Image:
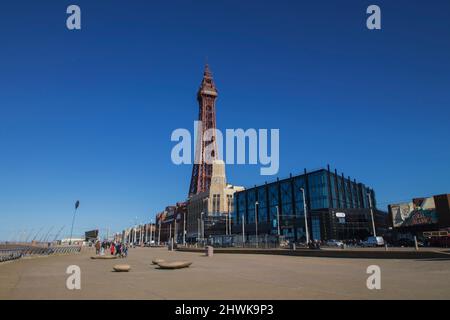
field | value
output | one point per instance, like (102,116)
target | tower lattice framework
(206,149)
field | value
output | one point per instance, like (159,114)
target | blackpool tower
(206,147)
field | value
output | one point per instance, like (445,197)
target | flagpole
(73,221)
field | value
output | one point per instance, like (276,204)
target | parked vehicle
(335,243)
(409,243)
(373,242)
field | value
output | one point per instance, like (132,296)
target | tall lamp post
(226,224)
(371,214)
(306,215)
(278,222)
(202,225)
(184,228)
(243,230)
(159,231)
(198,230)
(256,222)
(151,231)
(228,218)
(77,204)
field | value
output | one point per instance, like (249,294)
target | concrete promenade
(224,276)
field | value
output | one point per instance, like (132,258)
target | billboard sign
(418,212)
(91,235)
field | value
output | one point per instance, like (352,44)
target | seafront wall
(349,254)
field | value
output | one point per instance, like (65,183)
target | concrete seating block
(157,261)
(104,257)
(174,264)
(121,268)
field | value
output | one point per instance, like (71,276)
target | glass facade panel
(299,182)
(333,190)
(234,215)
(273,200)
(286,192)
(242,207)
(273,195)
(364,197)
(262,200)
(273,219)
(341,192)
(348,194)
(318,190)
(251,199)
(262,215)
(355,196)
(315,221)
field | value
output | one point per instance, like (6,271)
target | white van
(373,242)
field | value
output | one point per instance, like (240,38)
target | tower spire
(207,72)
(207,87)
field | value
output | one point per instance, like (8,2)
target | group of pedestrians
(118,249)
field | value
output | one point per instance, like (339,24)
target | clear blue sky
(88,114)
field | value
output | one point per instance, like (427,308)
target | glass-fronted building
(337,208)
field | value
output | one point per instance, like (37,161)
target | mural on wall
(420,211)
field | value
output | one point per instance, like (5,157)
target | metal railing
(24,251)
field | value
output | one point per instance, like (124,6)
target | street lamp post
(278,222)
(151,231)
(371,214)
(226,224)
(184,228)
(243,230)
(306,217)
(175,232)
(230,226)
(256,222)
(159,231)
(198,230)
(228,218)
(202,225)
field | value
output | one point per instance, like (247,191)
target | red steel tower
(206,149)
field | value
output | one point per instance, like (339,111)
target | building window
(229,203)
(251,199)
(315,221)
(242,207)
(318,190)
(299,183)
(216,203)
(262,207)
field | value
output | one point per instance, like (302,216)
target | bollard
(209,251)
(415,243)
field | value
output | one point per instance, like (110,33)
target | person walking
(118,249)
(112,248)
(97,247)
